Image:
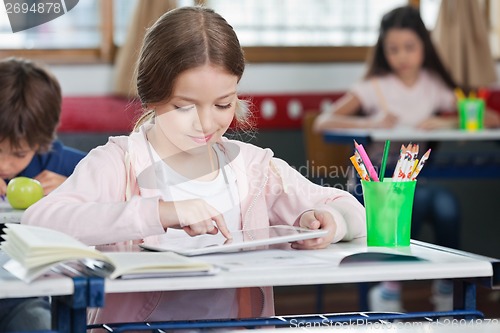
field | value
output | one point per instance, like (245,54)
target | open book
(35,251)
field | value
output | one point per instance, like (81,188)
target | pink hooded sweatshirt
(104,202)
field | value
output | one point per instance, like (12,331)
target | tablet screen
(242,239)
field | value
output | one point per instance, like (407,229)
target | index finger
(221,225)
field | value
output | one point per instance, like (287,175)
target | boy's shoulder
(59,158)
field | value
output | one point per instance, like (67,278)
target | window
(305,23)
(76,31)
(88,32)
(270,30)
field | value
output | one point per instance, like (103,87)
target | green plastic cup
(471,114)
(388,207)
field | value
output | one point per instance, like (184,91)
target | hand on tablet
(195,216)
(316,219)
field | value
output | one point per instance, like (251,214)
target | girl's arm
(344,115)
(491,118)
(291,198)
(341,115)
(439,122)
(90,205)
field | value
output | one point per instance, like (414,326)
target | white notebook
(243,239)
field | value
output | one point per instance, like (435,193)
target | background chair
(328,163)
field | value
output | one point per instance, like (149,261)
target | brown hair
(181,39)
(406,17)
(31,104)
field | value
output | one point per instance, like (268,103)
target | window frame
(105,53)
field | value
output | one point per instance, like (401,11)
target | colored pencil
(398,163)
(366,161)
(420,165)
(459,93)
(384,160)
(362,173)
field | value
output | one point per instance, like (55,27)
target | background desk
(408,135)
(461,154)
(466,163)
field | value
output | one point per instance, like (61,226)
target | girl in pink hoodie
(176,175)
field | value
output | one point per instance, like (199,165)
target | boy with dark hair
(31,107)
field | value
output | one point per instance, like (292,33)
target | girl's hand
(437,122)
(3,187)
(316,219)
(50,180)
(491,119)
(382,121)
(195,216)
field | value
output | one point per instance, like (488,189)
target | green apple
(22,192)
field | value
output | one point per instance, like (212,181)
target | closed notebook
(35,251)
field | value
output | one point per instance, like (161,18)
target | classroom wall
(258,78)
(479,235)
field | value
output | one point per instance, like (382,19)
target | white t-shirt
(222,194)
(412,105)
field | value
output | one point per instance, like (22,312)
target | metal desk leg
(95,295)
(69,313)
(464,295)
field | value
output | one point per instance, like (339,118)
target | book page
(266,260)
(127,263)
(36,246)
(36,251)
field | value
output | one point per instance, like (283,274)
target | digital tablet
(243,239)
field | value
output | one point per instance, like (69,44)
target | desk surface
(9,214)
(400,134)
(439,263)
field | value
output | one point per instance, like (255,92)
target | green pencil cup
(471,114)
(388,208)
